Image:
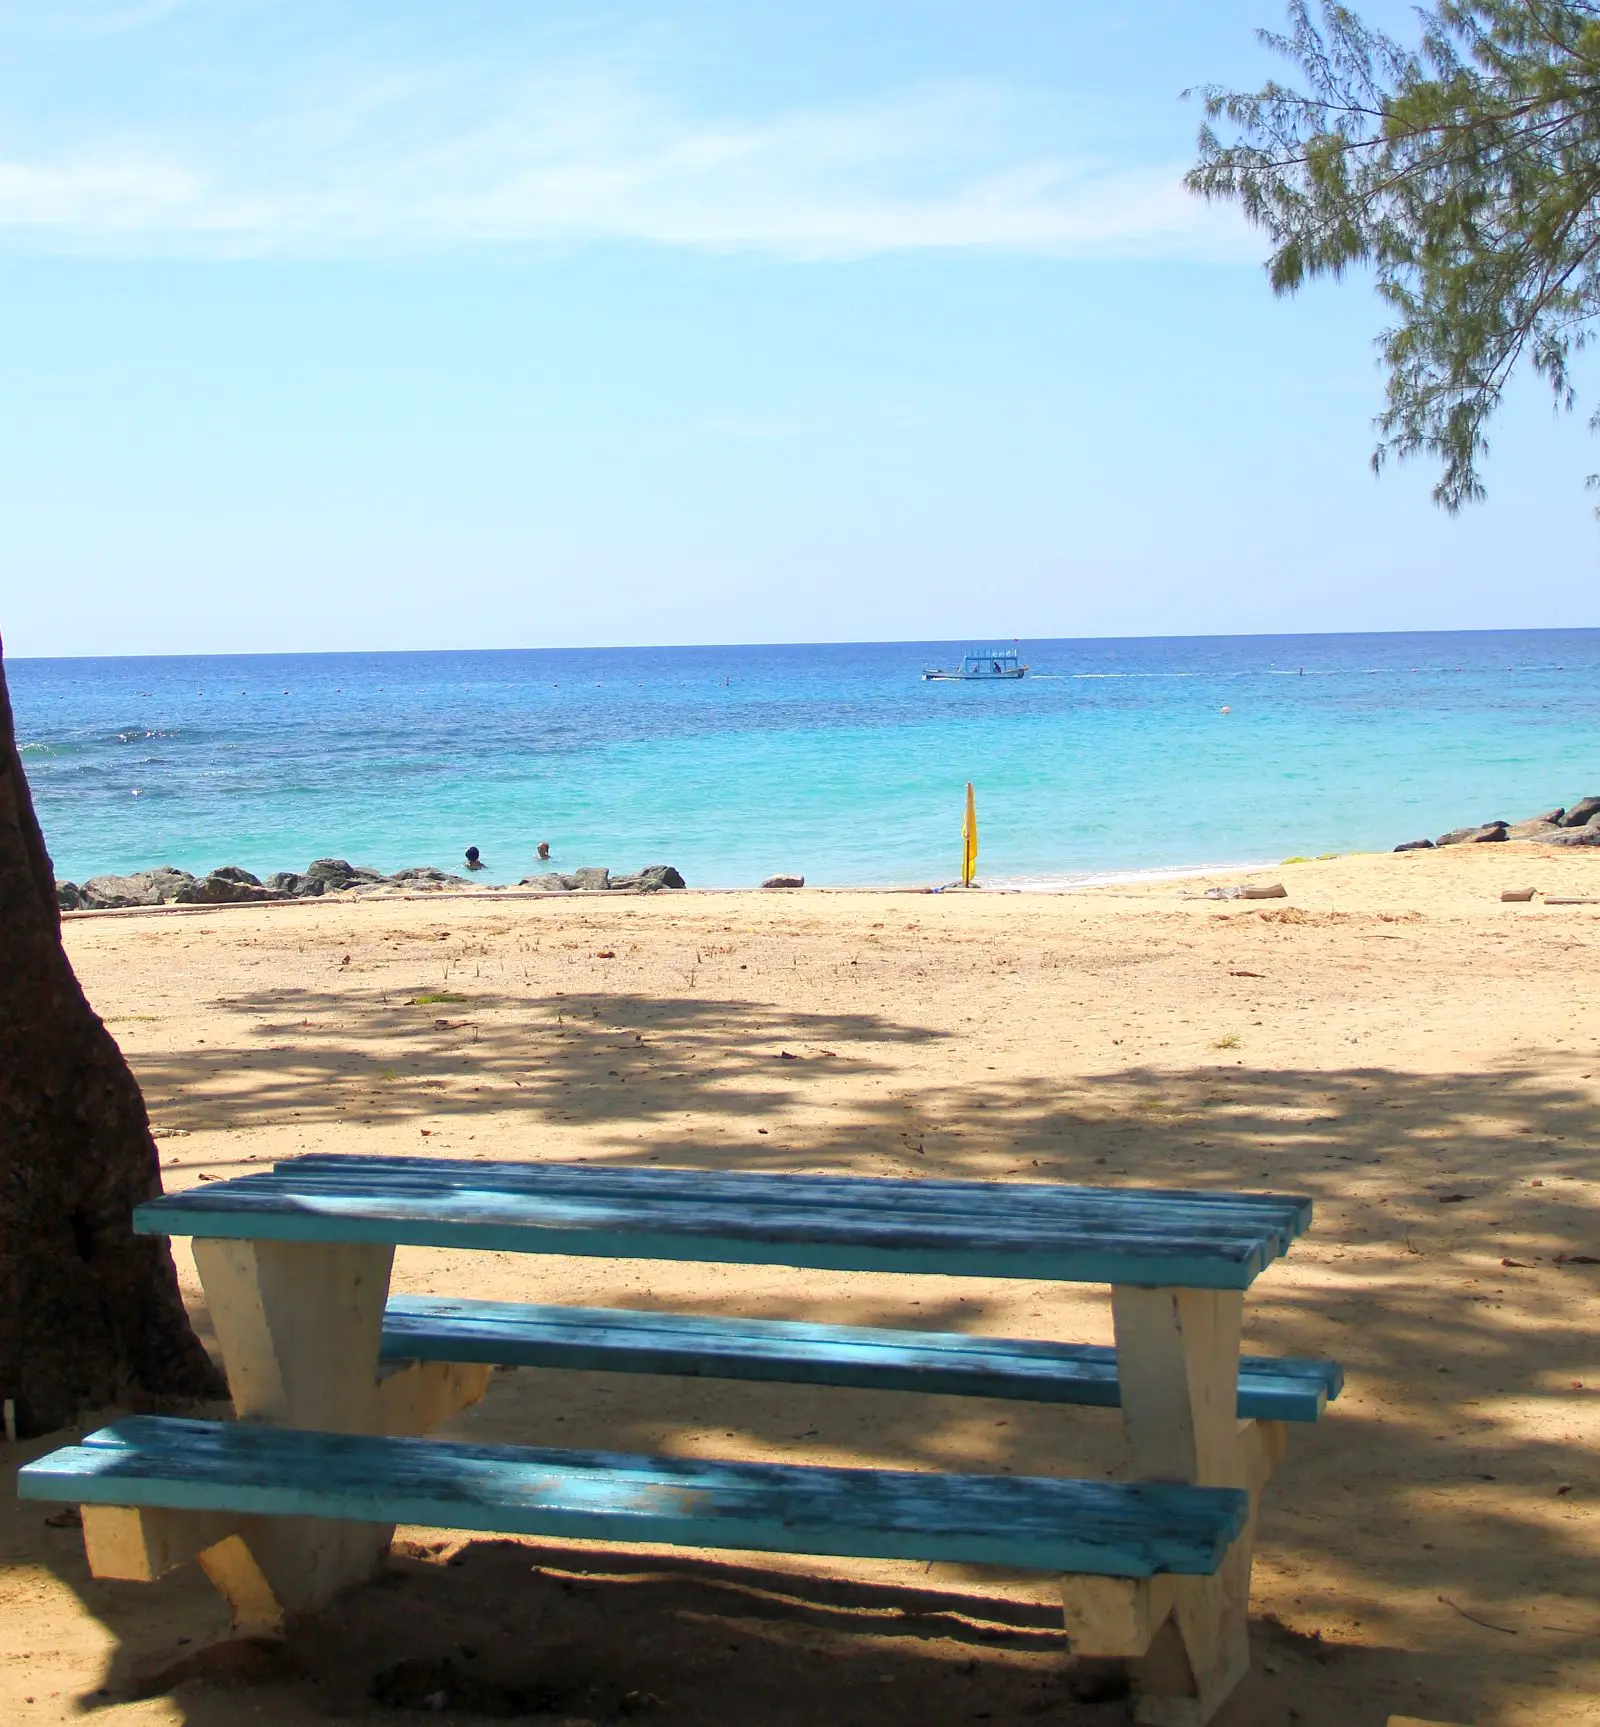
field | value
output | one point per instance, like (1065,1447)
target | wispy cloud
(417,163)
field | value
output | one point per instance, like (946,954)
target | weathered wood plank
(1124,1529)
(617,1340)
(746,1187)
(961,1229)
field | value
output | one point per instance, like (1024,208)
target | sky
(509,324)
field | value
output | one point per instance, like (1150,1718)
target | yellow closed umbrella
(969,840)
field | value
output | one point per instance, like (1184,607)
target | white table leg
(299,1324)
(1178,1364)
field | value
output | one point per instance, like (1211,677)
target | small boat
(982,665)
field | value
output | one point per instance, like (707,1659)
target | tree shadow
(1438,1501)
(585,1058)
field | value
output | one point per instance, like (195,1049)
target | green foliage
(1464,173)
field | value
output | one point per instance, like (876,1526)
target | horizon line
(832,642)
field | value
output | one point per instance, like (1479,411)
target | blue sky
(507,324)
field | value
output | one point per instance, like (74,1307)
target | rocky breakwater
(651,879)
(231,885)
(1577,826)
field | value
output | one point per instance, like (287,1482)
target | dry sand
(1392,1040)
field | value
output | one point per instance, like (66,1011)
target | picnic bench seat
(622,1340)
(1096,1528)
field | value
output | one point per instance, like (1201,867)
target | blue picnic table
(336,1384)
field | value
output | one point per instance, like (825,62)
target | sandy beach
(1391,1039)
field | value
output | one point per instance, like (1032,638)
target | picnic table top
(1126,1235)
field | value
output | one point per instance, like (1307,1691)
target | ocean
(836,762)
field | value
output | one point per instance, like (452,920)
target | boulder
(1489,832)
(1584,836)
(220,889)
(1550,817)
(294,886)
(232,872)
(784,881)
(550,882)
(336,875)
(144,887)
(426,876)
(1536,829)
(69,896)
(655,876)
(1581,813)
(591,880)
(1415,846)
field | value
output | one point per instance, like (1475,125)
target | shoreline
(1137,885)
(1577,826)
(472,892)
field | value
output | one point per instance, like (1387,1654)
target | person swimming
(474,861)
(544,851)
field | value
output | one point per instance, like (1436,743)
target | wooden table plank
(972,1229)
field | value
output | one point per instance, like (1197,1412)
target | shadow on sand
(1441,1271)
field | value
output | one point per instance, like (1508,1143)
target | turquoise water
(836,762)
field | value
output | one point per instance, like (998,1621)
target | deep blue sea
(836,762)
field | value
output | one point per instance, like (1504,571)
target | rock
(1274,890)
(69,896)
(550,882)
(1540,827)
(220,889)
(1550,817)
(592,880)
(1484,835)
(1581,813)
(784,881)
(1517,895)
(1584,836)
(337,876)
(144,887)
(426,876)
(295,886)
(1415,846)
(655,876)
(232,872)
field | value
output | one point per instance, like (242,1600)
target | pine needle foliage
(1464,173)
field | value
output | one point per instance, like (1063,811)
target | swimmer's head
(472,854)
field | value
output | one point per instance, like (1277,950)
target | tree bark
(89,1312)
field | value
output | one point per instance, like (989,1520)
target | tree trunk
(89,1312)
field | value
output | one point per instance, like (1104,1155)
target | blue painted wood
(1114,1529)
(618,1340)
(964,1229)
